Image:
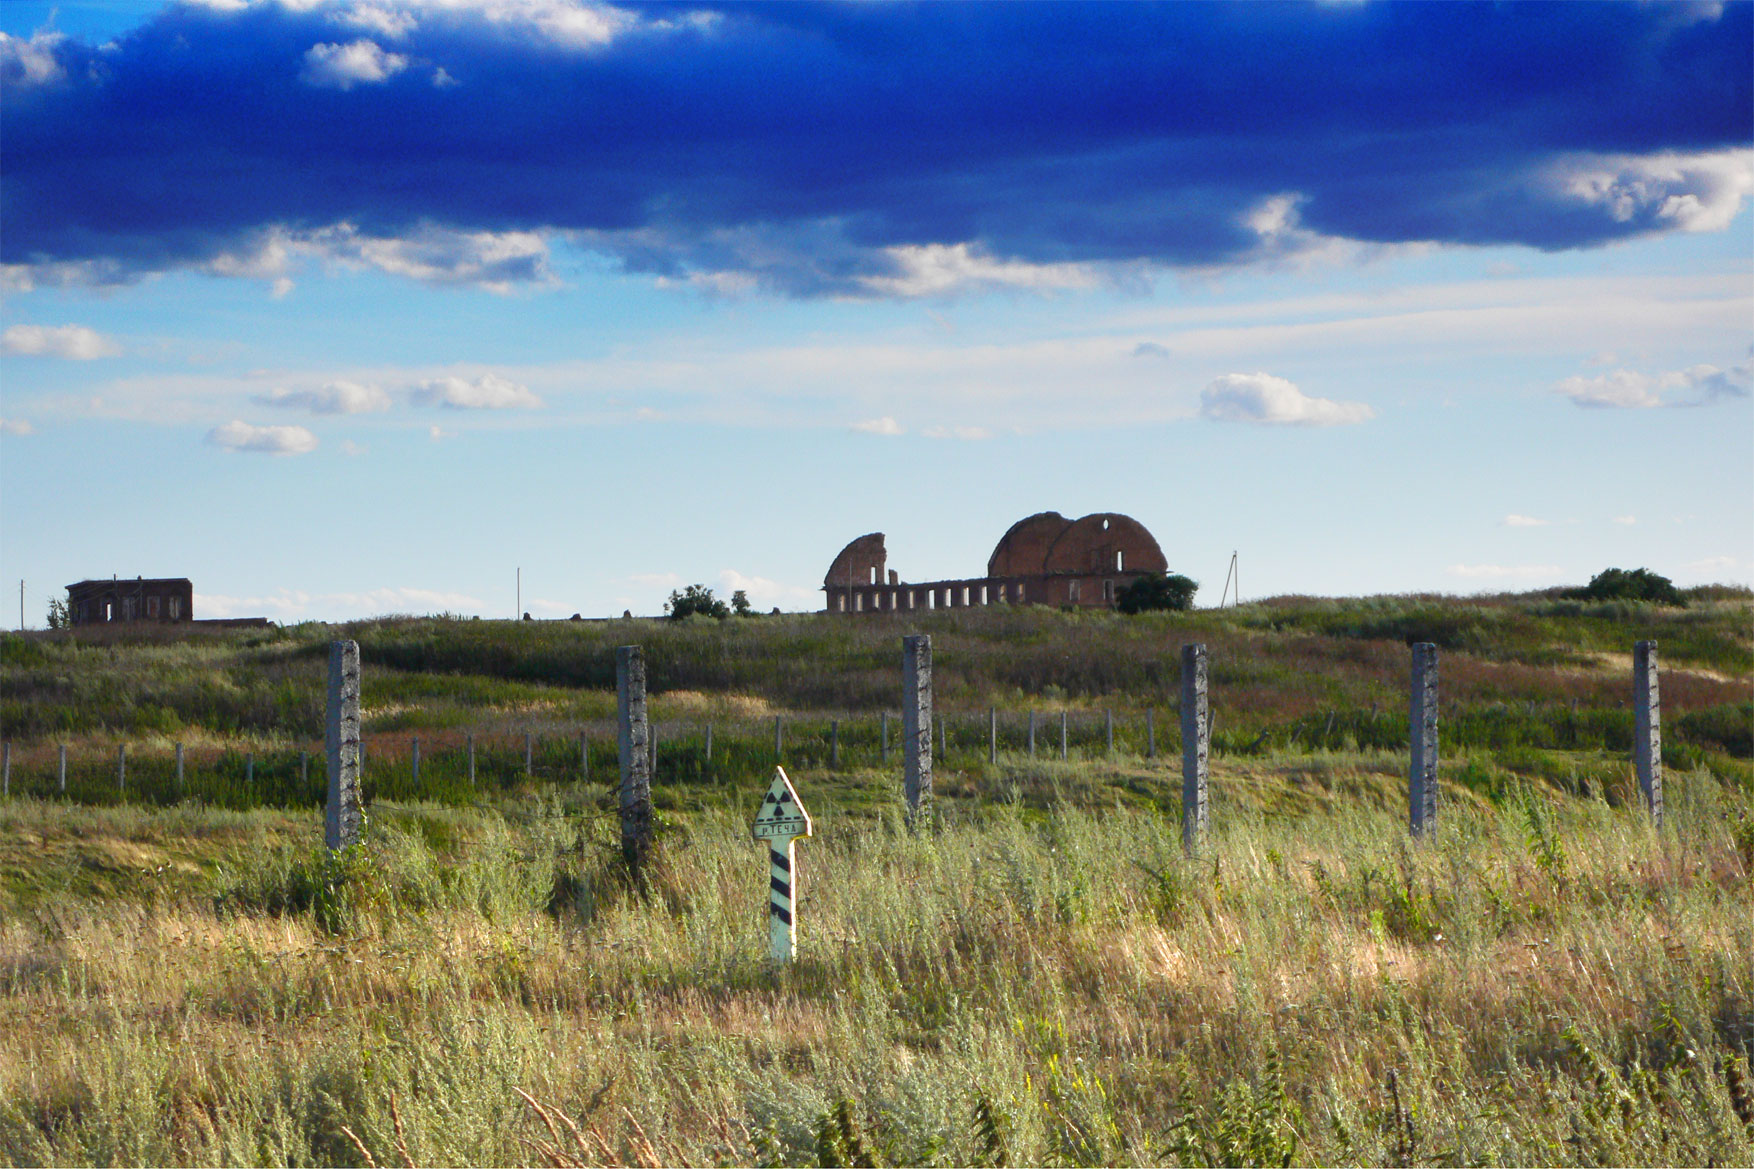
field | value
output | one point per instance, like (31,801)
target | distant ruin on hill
(1046,559)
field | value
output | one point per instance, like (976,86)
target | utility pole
(21,606)
(519,615)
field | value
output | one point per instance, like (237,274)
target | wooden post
(885,751)
(1647,729)
(1062,734)
(1109,718)
(1422,727)
(631,740)
(179,769)
(122,769)
(709,742)
(1150,733)
(342,816)
(1195,747)
(916,720)
(1032,734)
(529,754)
(304,770)
(943,740)
(992,734)
(471,758)
(414,762)
(834,742)
(61,766)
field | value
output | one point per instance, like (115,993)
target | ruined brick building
(99,602)
(1046,559)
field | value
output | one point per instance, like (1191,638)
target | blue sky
(352,308)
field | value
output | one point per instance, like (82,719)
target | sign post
(782,820)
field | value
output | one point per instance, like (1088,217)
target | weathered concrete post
(1062,734)
(1196,747)
(342,818)
(1109,718)
(1150,733)
(916,720)
(471,758)
(61,766)
(779,739)
(414,762)
(1032,734)
(1647,728)
(1422,735)
(631,732)
(992,734)
(834,742)
(122,768)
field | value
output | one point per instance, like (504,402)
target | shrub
(1640,584)
(1149,593)
(694,599)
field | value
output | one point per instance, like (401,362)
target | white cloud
(494,261)
(1263,398)
(766,594)
(1499,571)
(568,23)
(333,398)
(390,23)
(1689,192)
(1697,385)
(74,342)
(944,269)
(439,433)
(1626,520)
(885,426)
(487,392)
(332,66)
(30,62)
(969,433)
(17,427)
(1523,521)
(351,448)
(272,440)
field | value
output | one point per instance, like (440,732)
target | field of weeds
(1037,976)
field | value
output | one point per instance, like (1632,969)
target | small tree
(696,598)
(1157,592)
(740,604)
(1640,584)
(59,617)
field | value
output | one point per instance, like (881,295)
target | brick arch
(1088,546)
(853,567)
(1023,549)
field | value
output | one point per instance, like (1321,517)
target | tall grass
(1549,981)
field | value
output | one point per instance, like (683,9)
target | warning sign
(782,814)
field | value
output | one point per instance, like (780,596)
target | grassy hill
(1040,978)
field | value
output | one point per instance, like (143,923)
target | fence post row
(916,720)
(1422,741)
(1647,728)
(631,731)
(1196,747)
(341,815)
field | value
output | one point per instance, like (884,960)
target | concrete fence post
(1647,729)
(631,733)
(992,734)
(1150,733)
(1422,736)
(342,817)
(1196,747)
(916,720)
(61,766)
(122,769)
(1063,735)
(471,742)
(1032,734)
(414,761)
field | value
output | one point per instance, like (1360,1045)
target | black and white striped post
(781,821)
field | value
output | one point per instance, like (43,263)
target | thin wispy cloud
(487,392)
(334,398)
(884,426)
(17,427)
(1699,385)
(1524,521)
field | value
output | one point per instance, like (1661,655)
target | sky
(364,307)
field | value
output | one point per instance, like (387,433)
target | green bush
(1640,584)
(694,599)
(1158,592)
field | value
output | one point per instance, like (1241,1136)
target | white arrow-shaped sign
(782,812)
(780,822)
